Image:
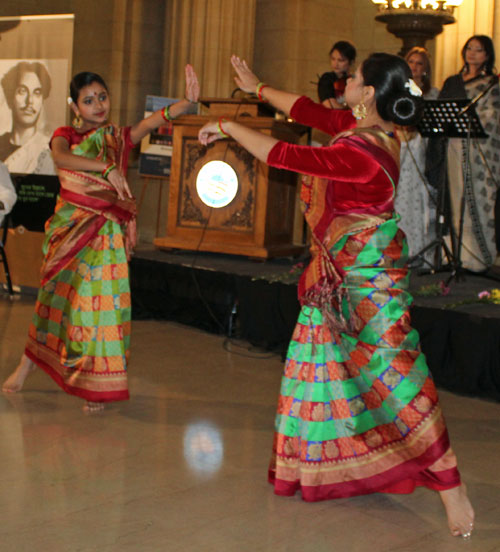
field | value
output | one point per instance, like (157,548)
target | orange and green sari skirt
(80,332)
(358,411)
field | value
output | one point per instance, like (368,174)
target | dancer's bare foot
(91,407)
(15,381)
(459,511)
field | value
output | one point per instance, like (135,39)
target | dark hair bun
(390,77)
(404,109)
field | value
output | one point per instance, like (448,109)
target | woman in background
(416,200)
(80,332)
(331,85)
(447,162)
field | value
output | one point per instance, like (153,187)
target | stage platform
(256,301)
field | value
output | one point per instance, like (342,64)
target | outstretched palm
(245,79)
(192,85)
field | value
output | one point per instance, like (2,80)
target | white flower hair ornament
(69,100)
(413,88)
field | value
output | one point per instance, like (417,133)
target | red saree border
(400,479)
(105,396)
(448,479)
(96,204)
(87,177)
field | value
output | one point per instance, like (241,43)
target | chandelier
(415,21)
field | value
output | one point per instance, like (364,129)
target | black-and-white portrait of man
(26,87)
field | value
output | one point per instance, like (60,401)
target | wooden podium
(259,221)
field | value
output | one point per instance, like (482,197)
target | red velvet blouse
(358,182)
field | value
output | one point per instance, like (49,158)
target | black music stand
(450,118)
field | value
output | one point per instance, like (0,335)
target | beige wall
(125,44)
(141,47)
(300,33)
(370,35)
(293,38)
(473,17)
(206,33)
(113,42)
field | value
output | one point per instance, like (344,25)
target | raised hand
(192,84)
(245,79)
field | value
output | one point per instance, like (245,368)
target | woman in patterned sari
(447,159)
(80,332)
(415,200)
(358,412)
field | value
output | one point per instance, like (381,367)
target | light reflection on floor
(183,464)
(203,447)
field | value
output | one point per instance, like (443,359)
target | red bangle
(219,127)
(107,169)
(259,89)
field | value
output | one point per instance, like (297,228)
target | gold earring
(359,111)
(77,121)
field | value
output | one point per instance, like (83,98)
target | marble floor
(182,465)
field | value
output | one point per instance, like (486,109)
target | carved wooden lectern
(242,206)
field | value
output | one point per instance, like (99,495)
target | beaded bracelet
(259,89)
(165,113)
(219,127)
(107,169)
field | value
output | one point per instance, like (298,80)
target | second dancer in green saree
(80,333)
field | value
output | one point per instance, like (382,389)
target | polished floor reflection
(182,465)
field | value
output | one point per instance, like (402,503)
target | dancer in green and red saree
(358,412)
(80,333)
